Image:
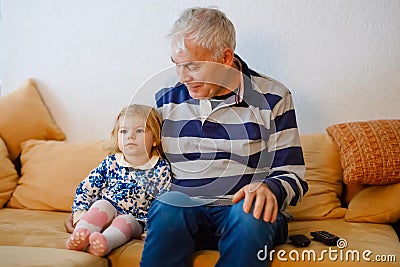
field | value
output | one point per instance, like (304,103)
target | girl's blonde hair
(153,123)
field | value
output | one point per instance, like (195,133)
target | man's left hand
(263,198)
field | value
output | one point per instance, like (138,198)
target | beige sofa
(36,203)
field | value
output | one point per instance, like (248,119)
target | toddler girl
(119,191)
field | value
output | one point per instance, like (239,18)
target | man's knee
(170,205)
(161,207)
(171,208)
(237,212)
(246,221)
(175,199)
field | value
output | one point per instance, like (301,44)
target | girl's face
(134,139)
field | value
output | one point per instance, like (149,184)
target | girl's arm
(165,179)
(90,189)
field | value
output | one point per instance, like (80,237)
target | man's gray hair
(208,27)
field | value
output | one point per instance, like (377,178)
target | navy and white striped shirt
(249,136)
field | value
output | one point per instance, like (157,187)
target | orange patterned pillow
(369,151)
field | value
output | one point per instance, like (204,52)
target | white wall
(341,59)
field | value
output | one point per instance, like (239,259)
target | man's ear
(229,57)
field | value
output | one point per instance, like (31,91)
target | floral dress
(130,189)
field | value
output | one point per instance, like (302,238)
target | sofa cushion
(37,257)
(25,108)
(51,171)
(379,239)
(324,176)
(32,228)
(376,204)
(37,238)
(351,190)
(8,175)
(369,151)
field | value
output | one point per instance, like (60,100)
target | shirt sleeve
(164,178)
(90,189)
(287,176)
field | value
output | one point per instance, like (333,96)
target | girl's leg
(99,215)
(122,228)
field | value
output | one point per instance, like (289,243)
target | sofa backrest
(324,177)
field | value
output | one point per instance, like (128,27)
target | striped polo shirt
(217,148)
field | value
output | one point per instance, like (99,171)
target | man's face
(199,71)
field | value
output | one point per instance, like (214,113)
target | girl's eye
(140,130)
(123,131)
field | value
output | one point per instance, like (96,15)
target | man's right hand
(261,197)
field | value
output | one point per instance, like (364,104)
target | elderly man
(231,136)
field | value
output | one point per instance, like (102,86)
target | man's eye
(193,67)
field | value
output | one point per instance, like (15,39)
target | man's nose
(184,75)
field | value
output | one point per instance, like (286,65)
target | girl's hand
(68,224)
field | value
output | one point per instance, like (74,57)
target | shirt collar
(246,85)
(240,91)
(236,96)
(148,165)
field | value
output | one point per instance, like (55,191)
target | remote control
(325,237)
(300,240)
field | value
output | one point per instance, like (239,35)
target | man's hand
(68,224)
(264,200)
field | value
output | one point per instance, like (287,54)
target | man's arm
(286,184)
(287,177)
